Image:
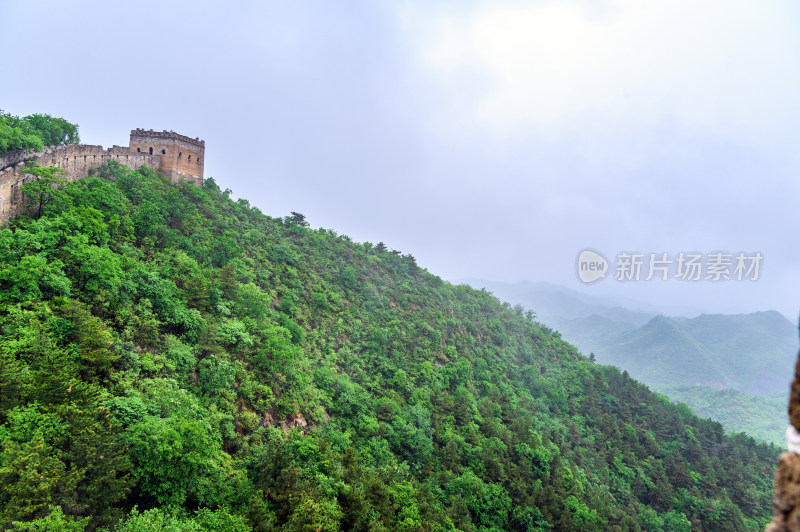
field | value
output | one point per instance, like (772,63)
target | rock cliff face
(786,509)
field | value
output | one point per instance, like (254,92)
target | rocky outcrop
(786,508)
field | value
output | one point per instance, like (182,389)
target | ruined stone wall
(13,157)
(74,159)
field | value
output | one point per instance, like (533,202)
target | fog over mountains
(735,368)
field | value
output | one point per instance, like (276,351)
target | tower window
(151,150)
(138,150)
(163,152)
(190,158)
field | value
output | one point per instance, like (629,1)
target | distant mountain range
(554,302)
(734,368)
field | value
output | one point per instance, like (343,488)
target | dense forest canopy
(172,359)
(34,132)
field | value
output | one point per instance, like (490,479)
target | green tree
(52,130)
(169,455)
(32,479)
(17,135)
(94,343)
(34,132)
(56,520)
(298,219)
(174,520)
(44,189)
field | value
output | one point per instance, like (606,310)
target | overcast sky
(489,139)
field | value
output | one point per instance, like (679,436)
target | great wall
(176,156)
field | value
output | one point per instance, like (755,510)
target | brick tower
(181,157)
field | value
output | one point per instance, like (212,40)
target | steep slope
(698,360)
(747,353)
(731,368)
(754,351)
(762,417)
(592,333)
(173,358)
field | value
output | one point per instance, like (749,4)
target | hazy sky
(489,139)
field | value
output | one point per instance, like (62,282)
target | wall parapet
(13,157)
(75,160)
(149,133)
(177,156)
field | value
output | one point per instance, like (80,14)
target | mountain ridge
(752,353)
(174,358)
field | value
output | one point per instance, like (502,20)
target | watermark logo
(683,266)
(592,266)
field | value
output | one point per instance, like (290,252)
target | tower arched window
(163,152)
(151,150)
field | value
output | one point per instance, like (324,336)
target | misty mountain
(752,353)
(734,368)
(556,304)
(662,352)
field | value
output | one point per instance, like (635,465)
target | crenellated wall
(181,157)
(176,156)
(74,159)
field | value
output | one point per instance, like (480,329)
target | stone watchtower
(181,157)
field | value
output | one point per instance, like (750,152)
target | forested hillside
(172,359)
(765,417)
(734,368)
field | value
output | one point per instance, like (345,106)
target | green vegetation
(765,418)
(34,132)
(172,359)
(733,368)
